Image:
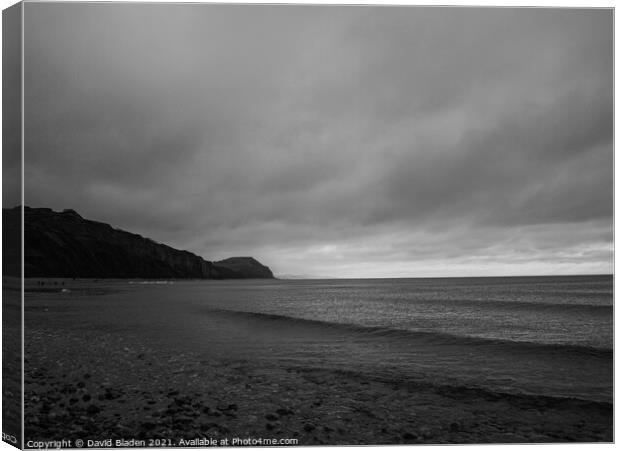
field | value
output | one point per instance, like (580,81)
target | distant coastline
(64,244)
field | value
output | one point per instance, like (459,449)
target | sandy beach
(95,385)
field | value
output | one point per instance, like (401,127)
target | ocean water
(549,336)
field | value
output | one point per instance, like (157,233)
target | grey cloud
(308,134)
(544,165)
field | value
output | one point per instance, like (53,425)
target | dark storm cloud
(351,141)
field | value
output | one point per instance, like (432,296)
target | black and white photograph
(306,224)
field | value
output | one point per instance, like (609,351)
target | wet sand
(92,384)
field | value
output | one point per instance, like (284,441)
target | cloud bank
(328,140)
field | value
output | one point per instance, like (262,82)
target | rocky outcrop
(63,244)
(245,268)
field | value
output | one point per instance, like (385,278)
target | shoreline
(95,384)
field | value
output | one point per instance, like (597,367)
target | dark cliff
(248,267)
(67,245)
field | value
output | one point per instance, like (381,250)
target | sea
(543,336)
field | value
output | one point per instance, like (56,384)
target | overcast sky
(330,141)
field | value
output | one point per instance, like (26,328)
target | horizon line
(437,277)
